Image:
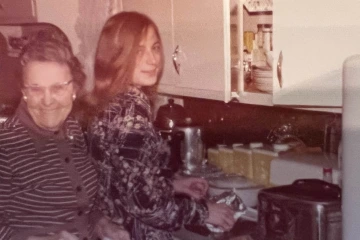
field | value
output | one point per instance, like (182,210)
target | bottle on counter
(327,174)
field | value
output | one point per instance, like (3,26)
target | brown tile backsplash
(242,123)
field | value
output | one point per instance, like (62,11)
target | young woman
(134,189)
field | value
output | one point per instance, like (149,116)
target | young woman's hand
(106,229)
(221,215)
(194,187)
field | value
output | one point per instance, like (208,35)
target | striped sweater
(46,179)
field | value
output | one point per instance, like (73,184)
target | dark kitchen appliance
(168,117)
(307,209)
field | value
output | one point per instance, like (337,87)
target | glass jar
(267,32)
(260,36)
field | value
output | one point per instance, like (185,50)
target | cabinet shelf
(259,5)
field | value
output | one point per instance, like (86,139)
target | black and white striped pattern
(42,184)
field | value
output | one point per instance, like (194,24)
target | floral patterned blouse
(134,189)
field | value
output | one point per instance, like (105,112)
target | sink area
(242,230)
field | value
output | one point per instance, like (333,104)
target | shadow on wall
(242,123)
(10,93)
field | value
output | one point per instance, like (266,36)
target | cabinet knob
(279,69)
(175,57)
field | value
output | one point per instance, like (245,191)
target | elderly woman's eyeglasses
(56,89)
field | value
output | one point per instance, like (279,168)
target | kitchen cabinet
(313,40)
(17,11)
(197,33)
(160,12)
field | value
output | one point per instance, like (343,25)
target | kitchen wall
(234,122)
(82,21)
(52,11)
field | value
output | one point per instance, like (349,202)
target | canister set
(251,161)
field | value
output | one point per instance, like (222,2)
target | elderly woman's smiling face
(49,93)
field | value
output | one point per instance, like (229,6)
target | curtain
(92,16)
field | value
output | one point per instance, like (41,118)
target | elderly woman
(47,181)
(134,188)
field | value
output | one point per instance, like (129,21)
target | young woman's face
(148,60)
(49,93)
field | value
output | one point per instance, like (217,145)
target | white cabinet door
(17,11)
(160,11)
(200,31)
(314,38)
(202,34)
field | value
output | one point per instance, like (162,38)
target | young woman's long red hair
(116,55)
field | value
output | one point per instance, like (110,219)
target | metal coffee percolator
(183,137)
(191,147)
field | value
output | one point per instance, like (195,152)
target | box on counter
(289,166)
(222,157)
(243,159)
(262,158)
(213,156)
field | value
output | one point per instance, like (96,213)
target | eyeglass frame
(63,84)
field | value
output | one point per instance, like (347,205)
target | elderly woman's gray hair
(54,47)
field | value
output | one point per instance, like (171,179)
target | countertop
(242,230)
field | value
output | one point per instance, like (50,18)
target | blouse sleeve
(5,192)
(132,147)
